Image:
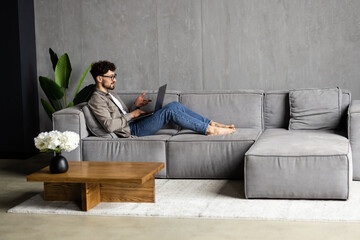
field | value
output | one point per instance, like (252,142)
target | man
(115,117)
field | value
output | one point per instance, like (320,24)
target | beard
(110,86)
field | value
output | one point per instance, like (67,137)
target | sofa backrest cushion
(94,126)
(277,109)
(315,109)
(241,108)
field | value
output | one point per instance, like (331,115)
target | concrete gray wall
(205,44)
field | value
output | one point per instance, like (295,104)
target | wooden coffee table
(94,182)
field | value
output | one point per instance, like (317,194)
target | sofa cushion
(315,109)
(241,108)
(276,109)
(192,155)
(298,164)
(94,126)
(141,149)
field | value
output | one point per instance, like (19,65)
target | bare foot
(218,131)
(216,124)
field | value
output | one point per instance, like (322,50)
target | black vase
(58,164)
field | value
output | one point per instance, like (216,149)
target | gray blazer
(109,115)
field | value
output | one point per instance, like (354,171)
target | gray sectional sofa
(274,162)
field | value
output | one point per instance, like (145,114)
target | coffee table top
(100,172)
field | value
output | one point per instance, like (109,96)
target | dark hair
(101,67)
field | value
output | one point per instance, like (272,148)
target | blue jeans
(175,112)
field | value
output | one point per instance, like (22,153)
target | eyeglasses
(112,77)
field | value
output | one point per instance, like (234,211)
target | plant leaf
(82,79)
(85,94)
(54,58)
(70,104)
(63,71)
(52,90)
(48,108)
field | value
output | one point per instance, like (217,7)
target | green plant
(56,91)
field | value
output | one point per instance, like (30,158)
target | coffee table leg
(129,192)
(61,191)
(90,195)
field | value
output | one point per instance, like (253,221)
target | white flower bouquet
(56,141)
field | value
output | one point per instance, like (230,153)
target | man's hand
(141,101)
(137,113)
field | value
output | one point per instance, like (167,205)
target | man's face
(108,80)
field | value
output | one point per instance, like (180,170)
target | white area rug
(209,199)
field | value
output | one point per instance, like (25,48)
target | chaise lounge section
(298,164)
(313,159)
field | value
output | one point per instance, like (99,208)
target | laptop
(158,104)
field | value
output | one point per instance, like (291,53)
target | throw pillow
(94,126)
(315,109)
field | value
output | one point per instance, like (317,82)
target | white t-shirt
(117,102)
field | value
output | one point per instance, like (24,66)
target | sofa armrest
(71,119)
(354,135)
